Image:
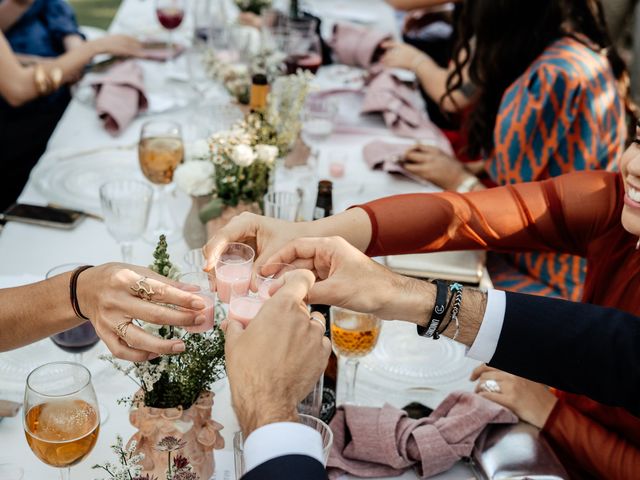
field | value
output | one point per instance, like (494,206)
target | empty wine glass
(353,335)
(160,151)
(125,207)
(61,414)
(195,260)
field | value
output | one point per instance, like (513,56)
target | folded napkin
(385,156)
(120,95)
(356,46)
(400,107)
(378,442)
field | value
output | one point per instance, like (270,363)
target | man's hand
(275,362)
(350,279)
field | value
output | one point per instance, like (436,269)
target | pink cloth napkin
(387,157)
(378,442)
(120,95)
(356,46)
(397,102)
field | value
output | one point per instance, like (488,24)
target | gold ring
(142,289)
(121,329)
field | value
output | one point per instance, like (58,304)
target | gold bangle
(56,78)
(41,80)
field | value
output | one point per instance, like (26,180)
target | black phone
(45,216)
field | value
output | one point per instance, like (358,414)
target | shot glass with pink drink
(244,304)
(233,268)
(204,281)
(267,274)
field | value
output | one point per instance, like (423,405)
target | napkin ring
(143,290)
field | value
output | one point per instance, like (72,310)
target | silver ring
(322,322)
(490,386)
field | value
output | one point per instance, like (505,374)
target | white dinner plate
(75,183)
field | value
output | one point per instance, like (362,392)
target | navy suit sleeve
(576,347)
(288,467)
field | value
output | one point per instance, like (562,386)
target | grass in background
(95,13)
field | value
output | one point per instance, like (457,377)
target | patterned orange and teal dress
(563,114)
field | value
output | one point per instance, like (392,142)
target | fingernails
(197,305)
(200,319)
(178,348)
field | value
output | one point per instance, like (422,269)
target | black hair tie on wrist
(439,310)
(73,291)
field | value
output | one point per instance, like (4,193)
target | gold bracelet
(41,79)
(55,76)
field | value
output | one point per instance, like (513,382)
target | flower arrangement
(129,467)
(253,6)
(171,381)
(237,165)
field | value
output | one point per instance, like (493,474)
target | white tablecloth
(28,252)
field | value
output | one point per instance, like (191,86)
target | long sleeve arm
(576,347)
(561,215)
(591,446)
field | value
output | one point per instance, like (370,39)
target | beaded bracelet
(73,287)
(456,301)
(439,310)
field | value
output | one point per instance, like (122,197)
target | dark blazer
(576,347)
(288,467)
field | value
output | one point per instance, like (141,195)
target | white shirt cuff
(279,439)
(486,342)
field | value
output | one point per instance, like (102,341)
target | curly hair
(499,39)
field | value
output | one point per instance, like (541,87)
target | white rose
(195,177)
(266,153)
(243,155)
(200,149)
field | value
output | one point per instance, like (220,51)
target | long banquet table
(28,252)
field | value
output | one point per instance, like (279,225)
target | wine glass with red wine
(79,339)
(303,51)
(170,14)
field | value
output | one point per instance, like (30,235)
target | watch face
(328,408)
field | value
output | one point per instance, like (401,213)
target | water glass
(125,207)
(205,283)
(282,205)
(233,266)
(323,429)
(312,403)
(195,259)
(318,120)
(353,335)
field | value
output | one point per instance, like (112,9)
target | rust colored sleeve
(561,214)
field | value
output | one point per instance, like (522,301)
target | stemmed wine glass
(170,14)
(76,340)
(353,335)
(125,207)
(61,414)
(160,151)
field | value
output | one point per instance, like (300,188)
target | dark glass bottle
(294,9)
(324,208)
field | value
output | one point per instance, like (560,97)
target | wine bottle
(324,208)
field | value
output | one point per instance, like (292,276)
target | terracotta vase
(228,213)
(194,232)
(193,426)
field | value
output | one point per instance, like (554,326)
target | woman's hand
(401,55)
(266,235)
(107,296)
(117,45)
(434,165)
(530,401)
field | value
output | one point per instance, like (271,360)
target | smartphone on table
(44,216)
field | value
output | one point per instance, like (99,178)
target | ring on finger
(490,386)
(143,290)
(318,317)
(121,329)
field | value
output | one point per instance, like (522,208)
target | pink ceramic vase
(193,426)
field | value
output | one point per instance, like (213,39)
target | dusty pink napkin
(396,102)
(378,442)
(120,95)
(356,46)
(387,157)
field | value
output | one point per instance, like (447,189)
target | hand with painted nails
(111,296)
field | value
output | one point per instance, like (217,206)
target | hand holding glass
(204,281)
(234,266)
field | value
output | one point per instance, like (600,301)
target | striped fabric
(563,114)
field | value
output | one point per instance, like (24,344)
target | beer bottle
(258,93)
